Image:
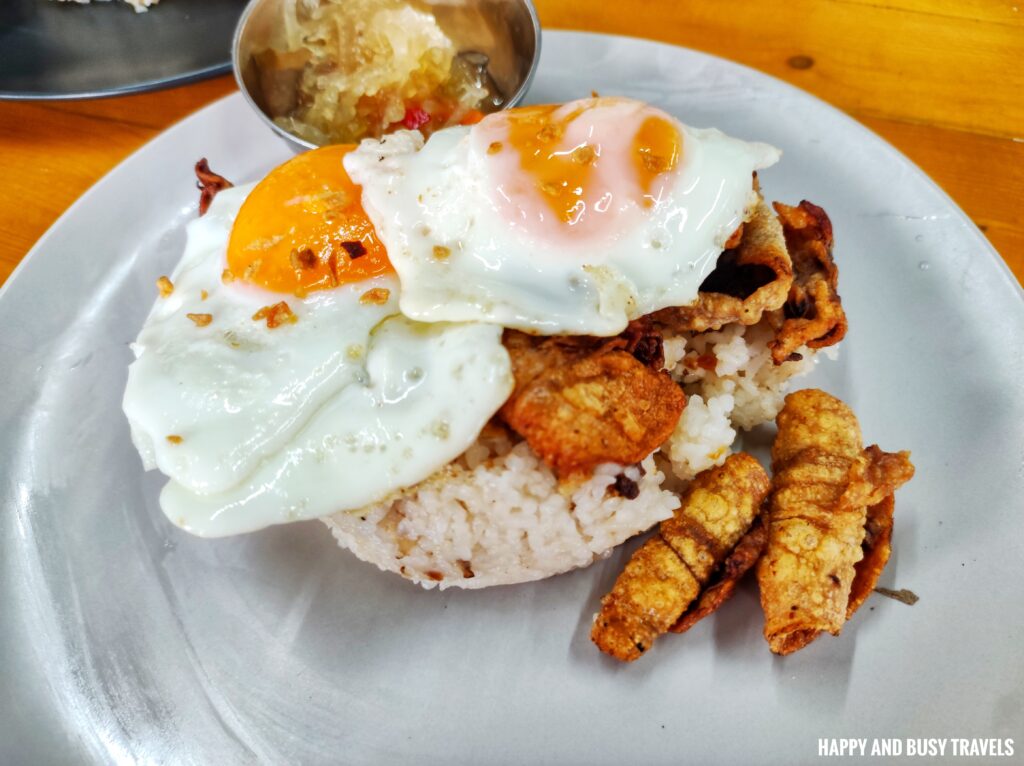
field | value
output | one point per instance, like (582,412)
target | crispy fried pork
(813,312)
(581,401)
(824,482)
(877,547)
(667,573)
(722,587)
(751,277)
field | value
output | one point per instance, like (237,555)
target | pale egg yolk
(302,228)
(580,162)
(656,149)
(560,174)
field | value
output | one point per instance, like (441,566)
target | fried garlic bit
(276,315)
(814,573)
(668,572)
(376,295)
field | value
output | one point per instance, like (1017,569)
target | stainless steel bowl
(505,32)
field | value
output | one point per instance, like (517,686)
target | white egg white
(496,269)
(430,388)
(241,401)
(236,390)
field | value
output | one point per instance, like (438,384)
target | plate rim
(145,86)
(554,36)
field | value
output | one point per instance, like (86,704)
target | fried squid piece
(813,313)
(817,518)
(750,278)
(667,573)
(209,183)
(580,402)
(722,587)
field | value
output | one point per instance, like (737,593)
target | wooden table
(940,79)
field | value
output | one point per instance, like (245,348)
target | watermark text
(846,747)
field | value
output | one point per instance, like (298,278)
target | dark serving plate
(51,50)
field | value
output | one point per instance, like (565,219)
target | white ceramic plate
(125,640)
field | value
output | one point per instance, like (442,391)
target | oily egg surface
(557,219)
(261,414)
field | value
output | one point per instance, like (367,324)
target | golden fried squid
(753,275)
(667,573)
(581,401)
(813,313)
(818,521)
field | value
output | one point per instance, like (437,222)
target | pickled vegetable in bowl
(343,70)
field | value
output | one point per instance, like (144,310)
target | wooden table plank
(940,79)
(156,110)
(974,10)
(984,175)
(870,60)
(52,152)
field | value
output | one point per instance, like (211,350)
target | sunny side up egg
(570,219)
(277,381)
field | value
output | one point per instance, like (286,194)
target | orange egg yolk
(564,171)
(657,146)
(302,228)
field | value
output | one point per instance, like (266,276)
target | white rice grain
(501,520)
(743,390)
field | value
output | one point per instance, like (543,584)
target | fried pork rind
(877,547)
(209,183)
(722,587)
(750,278)
(580,402)
(667,572)
(824,481)
(813,313)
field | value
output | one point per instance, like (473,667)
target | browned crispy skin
(875,482)
(813,312)
(580,401)
(209,184)
(817,515)
(722,587)
(753,275)
(875,475)
(806,573)
(877,547)
(650,594)
(666,573)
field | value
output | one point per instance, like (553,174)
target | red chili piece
(209,184)
(415,118)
